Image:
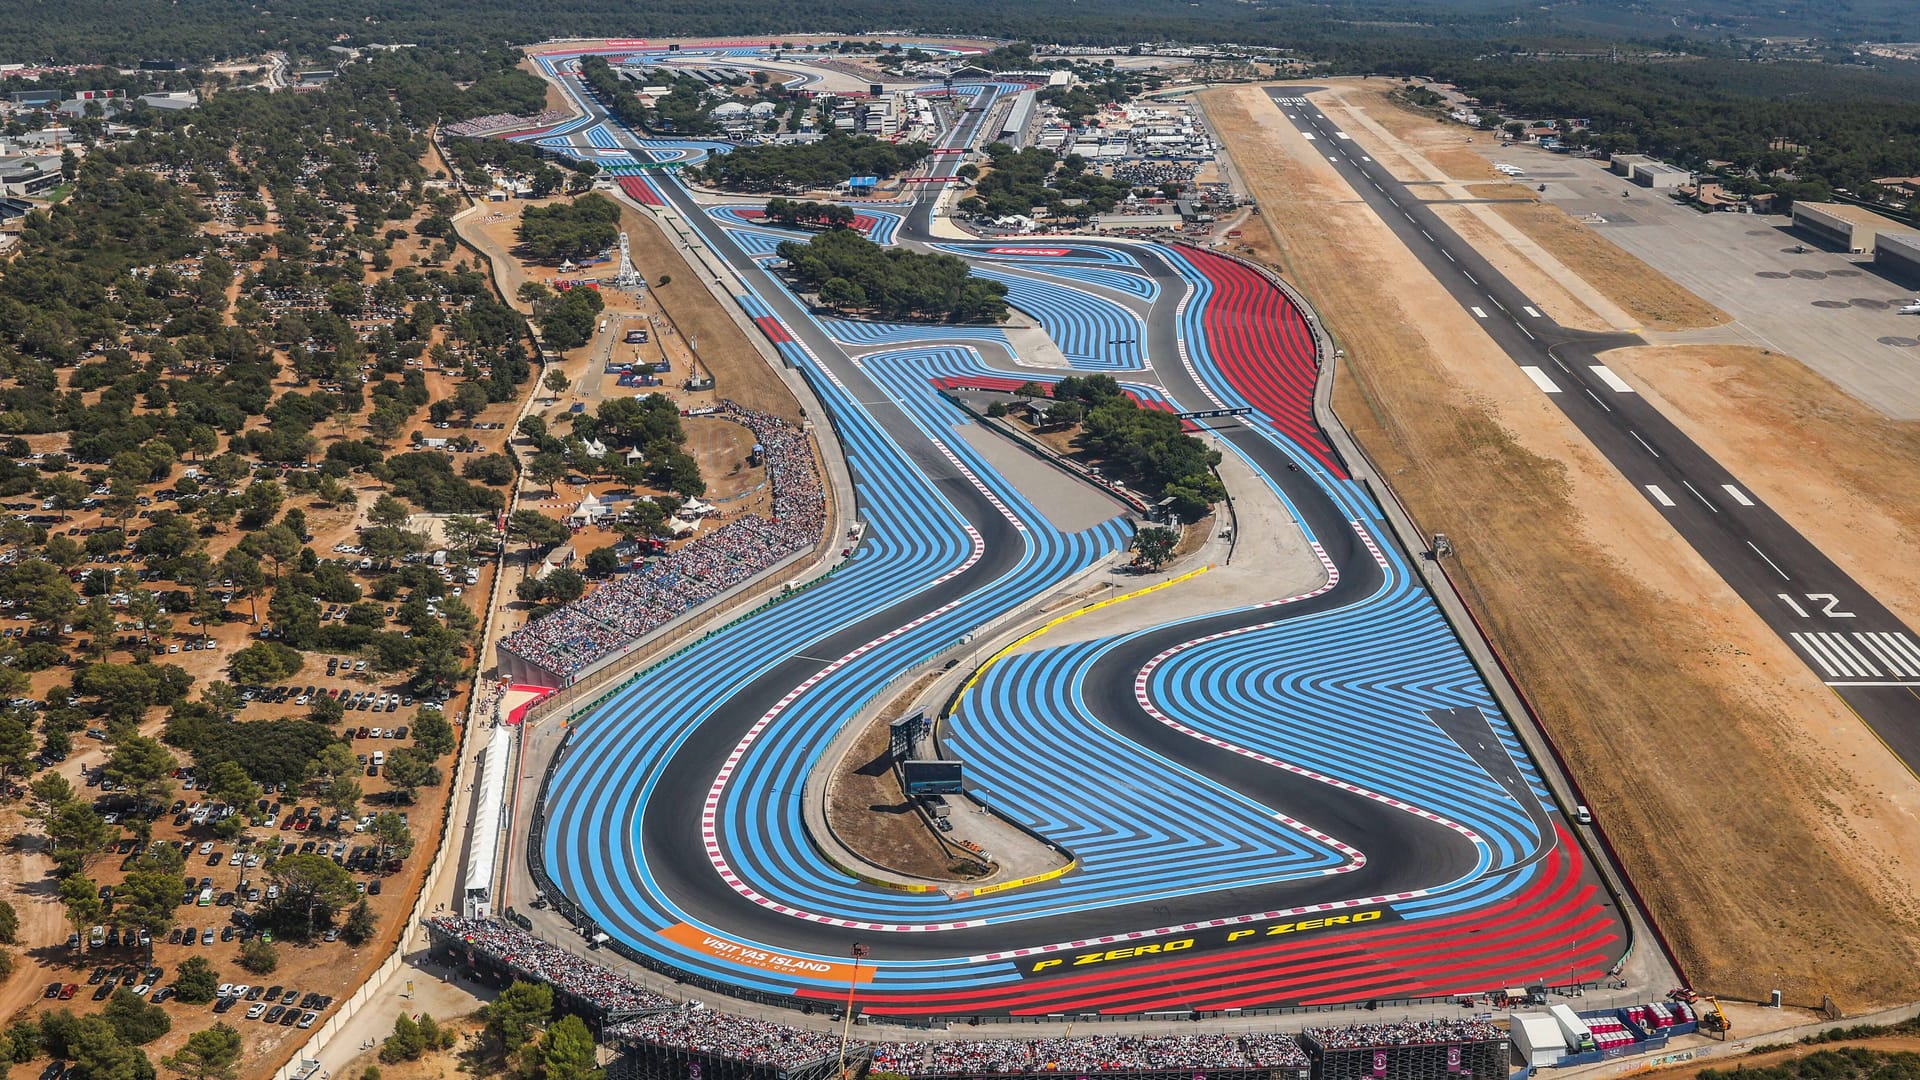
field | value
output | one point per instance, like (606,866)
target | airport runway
(1851,641)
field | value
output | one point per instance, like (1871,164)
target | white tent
(590,510)
(1538,1038)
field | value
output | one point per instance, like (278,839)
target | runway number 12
(1829,605)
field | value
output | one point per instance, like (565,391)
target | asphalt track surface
(1328,755)
(1864,652)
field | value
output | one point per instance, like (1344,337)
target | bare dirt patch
(1724,774)
(873,817)
(1725,1066)
(1643,291)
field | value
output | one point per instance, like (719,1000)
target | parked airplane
(1913,308)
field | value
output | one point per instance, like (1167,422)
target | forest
(854,274)
(807,166)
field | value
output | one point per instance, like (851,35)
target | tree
(81,898)
(512,1017)
(556,382)
(432,734)
(222,697)
(143,765)
(98,1053)
(392,831)
(314,883)
(230,784)
(196,981)
(1155,544)
(343,794)
(389,511)
(405,1044)
(546,469)
(76,835)
(360,924)
(265,662)
(9,924)
(536,528)
(135,1019)
(148,898)
(259,956)
(565,1052)
(209,1054)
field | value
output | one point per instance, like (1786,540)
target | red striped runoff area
(640,191)
(1559,924)
(1264,347)
(775,330)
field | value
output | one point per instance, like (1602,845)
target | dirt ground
(1730,1066)
(1635,286)
(739,371)
(1759,818)
(869,812)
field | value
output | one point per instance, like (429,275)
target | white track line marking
(1540,379)
(1614,382)
(1659,496)
(1736,494)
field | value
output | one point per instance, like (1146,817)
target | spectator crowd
(583,979)
(697,1029)
(1405,1033)
(493,122)
(616,615)
(1155,173)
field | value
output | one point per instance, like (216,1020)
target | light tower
(627,277)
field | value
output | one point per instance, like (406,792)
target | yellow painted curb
(1068,617)
(1018,883)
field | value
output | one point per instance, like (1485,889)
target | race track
(1302,799)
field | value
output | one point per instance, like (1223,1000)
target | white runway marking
(1770,562)
(1659,496)
(1343,135)
(1477,312)
(1470,277)
(1736,494)
(1530,312)
(1308,134)
(1696,494)
(1540,379)
(1614,382)
(1644,443)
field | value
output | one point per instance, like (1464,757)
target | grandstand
(1410,1050)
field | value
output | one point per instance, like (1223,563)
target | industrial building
(1897,255)
(1849,228)
(1622,164)
(28,175)
(1659,175)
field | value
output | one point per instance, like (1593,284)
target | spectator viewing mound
(660,1033)
(810,166)
(558,647)
(853,274)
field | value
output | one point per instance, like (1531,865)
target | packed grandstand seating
(583,979)
(696,1029)
(481,125)
(1405,1033)
(616,614)
(737,1038)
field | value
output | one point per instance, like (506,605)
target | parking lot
(1830,310)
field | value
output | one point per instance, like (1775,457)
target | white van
(1582,815)
(379,758)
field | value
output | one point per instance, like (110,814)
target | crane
(1715,1021)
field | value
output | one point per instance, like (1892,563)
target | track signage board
(1031,252)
